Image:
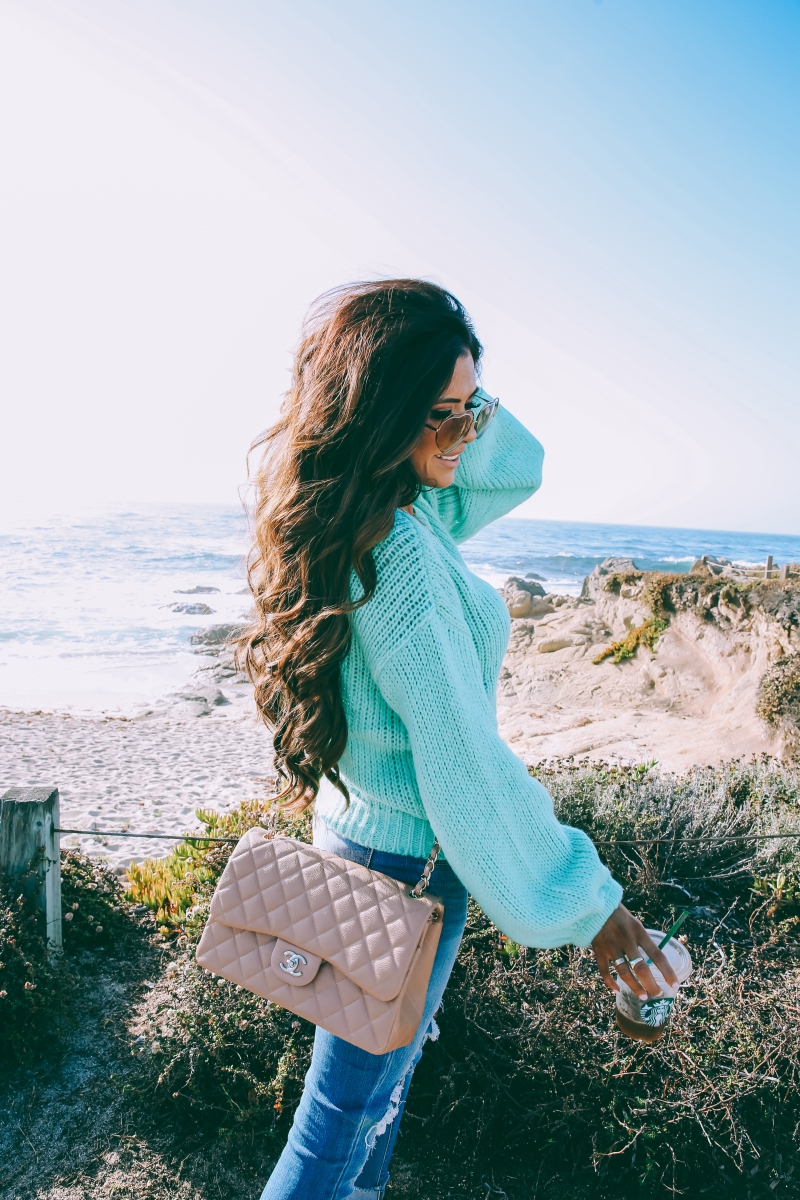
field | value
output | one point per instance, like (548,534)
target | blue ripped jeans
(347,1121)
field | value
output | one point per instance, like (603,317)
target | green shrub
(778,700)
(666,593)
(617,579)
(168,885)
(658,593)
(214,1054)
(96,911)
(33,986)
(36,988)
(531,1089)
(219,1057)
(531,1081)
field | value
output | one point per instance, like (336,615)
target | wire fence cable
(657,841)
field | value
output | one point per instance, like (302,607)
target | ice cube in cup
(648,1020)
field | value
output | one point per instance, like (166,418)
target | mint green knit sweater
(423,751)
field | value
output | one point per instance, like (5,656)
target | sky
(611,188)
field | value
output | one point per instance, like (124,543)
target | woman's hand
(622,935)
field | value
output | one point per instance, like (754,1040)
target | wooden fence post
(768,567)
(28,820)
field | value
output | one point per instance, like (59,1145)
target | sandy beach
(142,774)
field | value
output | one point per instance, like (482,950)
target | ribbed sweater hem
(375,825)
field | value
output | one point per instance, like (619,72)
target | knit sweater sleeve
(541,882)
(497,472)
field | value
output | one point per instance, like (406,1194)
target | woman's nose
(471,436)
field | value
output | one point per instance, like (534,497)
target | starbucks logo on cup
(656,1012)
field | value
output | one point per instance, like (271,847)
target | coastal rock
(195,591)
(194,610)
(711,565)
(196,701)
(214,639)
(551,645)
(609,566)
(518,602)
(524,597)
(217,644)
(615,566)
(530,585)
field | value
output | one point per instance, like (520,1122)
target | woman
(376,655)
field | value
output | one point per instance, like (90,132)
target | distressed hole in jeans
(375,1131)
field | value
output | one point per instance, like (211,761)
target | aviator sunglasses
(453,430)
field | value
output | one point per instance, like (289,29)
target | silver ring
(619,961)
(633,961)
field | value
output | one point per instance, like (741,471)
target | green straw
(674,930)
(668,936)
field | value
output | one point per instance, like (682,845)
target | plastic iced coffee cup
(648,1020)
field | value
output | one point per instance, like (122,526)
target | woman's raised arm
(497,472)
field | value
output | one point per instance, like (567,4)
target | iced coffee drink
(648,1020)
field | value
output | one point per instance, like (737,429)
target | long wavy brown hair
(372,361)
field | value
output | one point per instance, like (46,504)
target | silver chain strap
(427,871)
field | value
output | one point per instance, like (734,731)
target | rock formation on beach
(202,694)
(687,669)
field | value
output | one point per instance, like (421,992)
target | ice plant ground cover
(531,1091)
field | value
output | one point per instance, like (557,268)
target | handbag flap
(364,923)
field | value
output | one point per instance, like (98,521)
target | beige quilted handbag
(345,947)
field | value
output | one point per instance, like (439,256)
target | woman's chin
(443,476)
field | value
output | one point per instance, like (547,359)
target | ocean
(97,611)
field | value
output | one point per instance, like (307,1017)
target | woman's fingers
(623,941)
(659,958)
(640,987)
(644,979)
(625,972)
(646,948)
(608,945)
(604,967)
